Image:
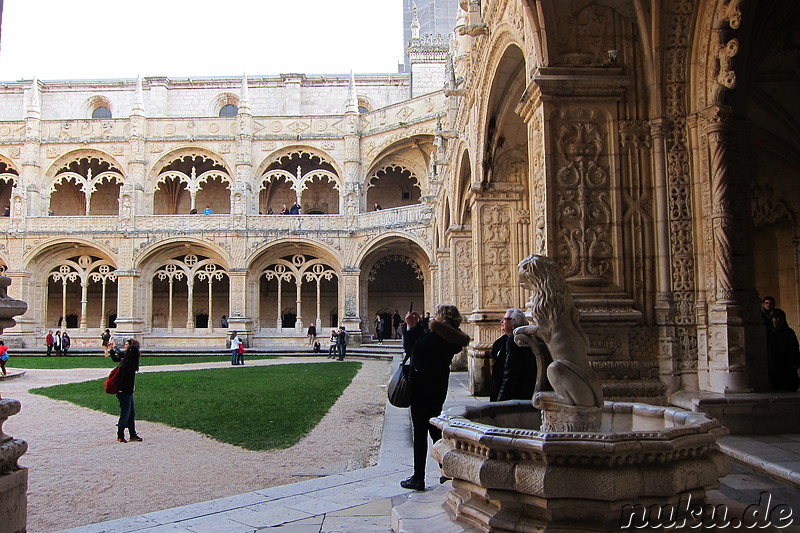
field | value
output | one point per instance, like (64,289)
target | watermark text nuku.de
(686,514)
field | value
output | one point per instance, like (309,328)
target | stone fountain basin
(643,454)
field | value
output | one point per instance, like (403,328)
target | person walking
(65,342)
(236,342)
(378,328)
(104,338)
(128,367)
(341,343)
(48,341)
(311,334)
(430,375)
(3,357)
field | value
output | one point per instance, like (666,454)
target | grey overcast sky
(97,39)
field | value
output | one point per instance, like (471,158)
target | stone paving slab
(370,500)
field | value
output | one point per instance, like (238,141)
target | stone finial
(352,99)
(34,103)
(414,21)
(138,98)
(244,97)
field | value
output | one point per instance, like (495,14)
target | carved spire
(34,104)
(414,21)
(138,98)
(244,98)
(352,99)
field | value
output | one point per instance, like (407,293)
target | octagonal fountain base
(508,475)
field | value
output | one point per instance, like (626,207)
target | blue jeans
(234,356)
(342,351)
(127,414)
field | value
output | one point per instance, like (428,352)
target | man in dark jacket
(430,375)
(513,367)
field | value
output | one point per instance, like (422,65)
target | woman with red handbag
(127,380)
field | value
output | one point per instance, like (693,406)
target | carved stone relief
(582,190)
(495,255)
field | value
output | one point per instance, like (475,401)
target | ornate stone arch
(190,171)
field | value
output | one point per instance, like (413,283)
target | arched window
(229,110)
(101,112)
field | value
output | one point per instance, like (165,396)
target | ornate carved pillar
(349,295)
(727,244)
(238,303)
(494,274)
(128,324)
(578,197)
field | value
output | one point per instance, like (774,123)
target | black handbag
(399,390)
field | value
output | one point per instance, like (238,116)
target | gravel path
(79,474)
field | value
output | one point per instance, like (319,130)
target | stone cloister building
(646,146)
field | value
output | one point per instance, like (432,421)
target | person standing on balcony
(378,206)
(285,210)
(295,210)
(207,210)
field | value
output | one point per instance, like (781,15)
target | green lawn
(257,408)
(27,362)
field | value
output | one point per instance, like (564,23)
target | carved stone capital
(715,119)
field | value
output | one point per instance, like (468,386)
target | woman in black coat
(430,375)
(127,381)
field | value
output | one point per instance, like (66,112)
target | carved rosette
(583,201)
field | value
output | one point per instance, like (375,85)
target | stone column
(576,195)
(494,275)
(731,338)
(349,295)
(128,324)
(238,318)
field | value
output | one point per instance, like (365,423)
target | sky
(99,39)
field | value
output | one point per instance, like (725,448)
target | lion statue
(556,330)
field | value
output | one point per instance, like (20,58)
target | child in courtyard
(3,357)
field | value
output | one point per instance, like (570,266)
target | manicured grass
(27,362)
(257,408)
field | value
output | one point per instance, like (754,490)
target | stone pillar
(128,324)
(238,320)
(576,215)
(349,295)
(732,334)
(494,274)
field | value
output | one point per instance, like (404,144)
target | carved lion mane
(551,300)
